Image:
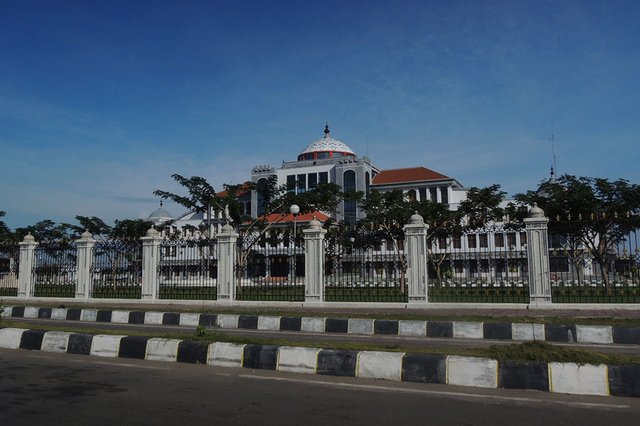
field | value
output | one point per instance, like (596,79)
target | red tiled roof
(410,174)
(288,218)
(242,189)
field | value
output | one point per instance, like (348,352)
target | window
(423,194)
(433,194)
(457,242)
(484,240)
(442,242)
(349,185)
(312,180)
(473,267)
(499,239)
(471,241)
(324,177)
(291,182)
(511,239)
(323,155)
(558,264)
(302,183)
(523,238)
(444,195)
(484,265)
(367,182)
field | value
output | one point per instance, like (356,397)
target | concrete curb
(568,333)
(602,380)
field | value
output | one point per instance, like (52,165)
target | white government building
(328,160)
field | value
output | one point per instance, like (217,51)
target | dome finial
(326,130)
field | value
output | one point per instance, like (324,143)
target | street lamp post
(294,210)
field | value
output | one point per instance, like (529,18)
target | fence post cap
(416,219)
(28,238)
(314,225)
(227,229)
(153,232)
(86,235)
(535,211)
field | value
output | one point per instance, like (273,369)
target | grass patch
(116,292)
(363,294)
(546,352)
(278,293)
(479,295)
(188,293)
(11,292)
(595,295)
(54,290)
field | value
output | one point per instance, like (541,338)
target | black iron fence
(600,273)
(487,265)
(9,268)
(116,272)
(188,269)
(54,270)
(270,269)
(365,268)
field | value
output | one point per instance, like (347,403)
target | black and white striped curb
(569,378)
(598,334)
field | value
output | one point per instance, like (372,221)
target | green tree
(276,200)
(47,231)
(5,232)
(201,197)
(390,211)
(592,215)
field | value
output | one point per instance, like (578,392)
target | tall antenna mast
(554,166)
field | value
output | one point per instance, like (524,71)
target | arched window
(349,185)
(261,188)
(367,182)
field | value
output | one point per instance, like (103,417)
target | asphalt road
(382,340)
(56,389)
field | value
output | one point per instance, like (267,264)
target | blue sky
(101,101)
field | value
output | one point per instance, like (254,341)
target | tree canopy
(591,215)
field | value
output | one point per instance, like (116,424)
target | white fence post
(538,256)
(416,240)
(150,259)
(27,259)
(226,263)
(84,262)
(314,262)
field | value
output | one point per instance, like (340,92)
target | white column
(150,259)
(27,259)
(83,264)
(314,262)
(226,263)
(538,256)
(416,244)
